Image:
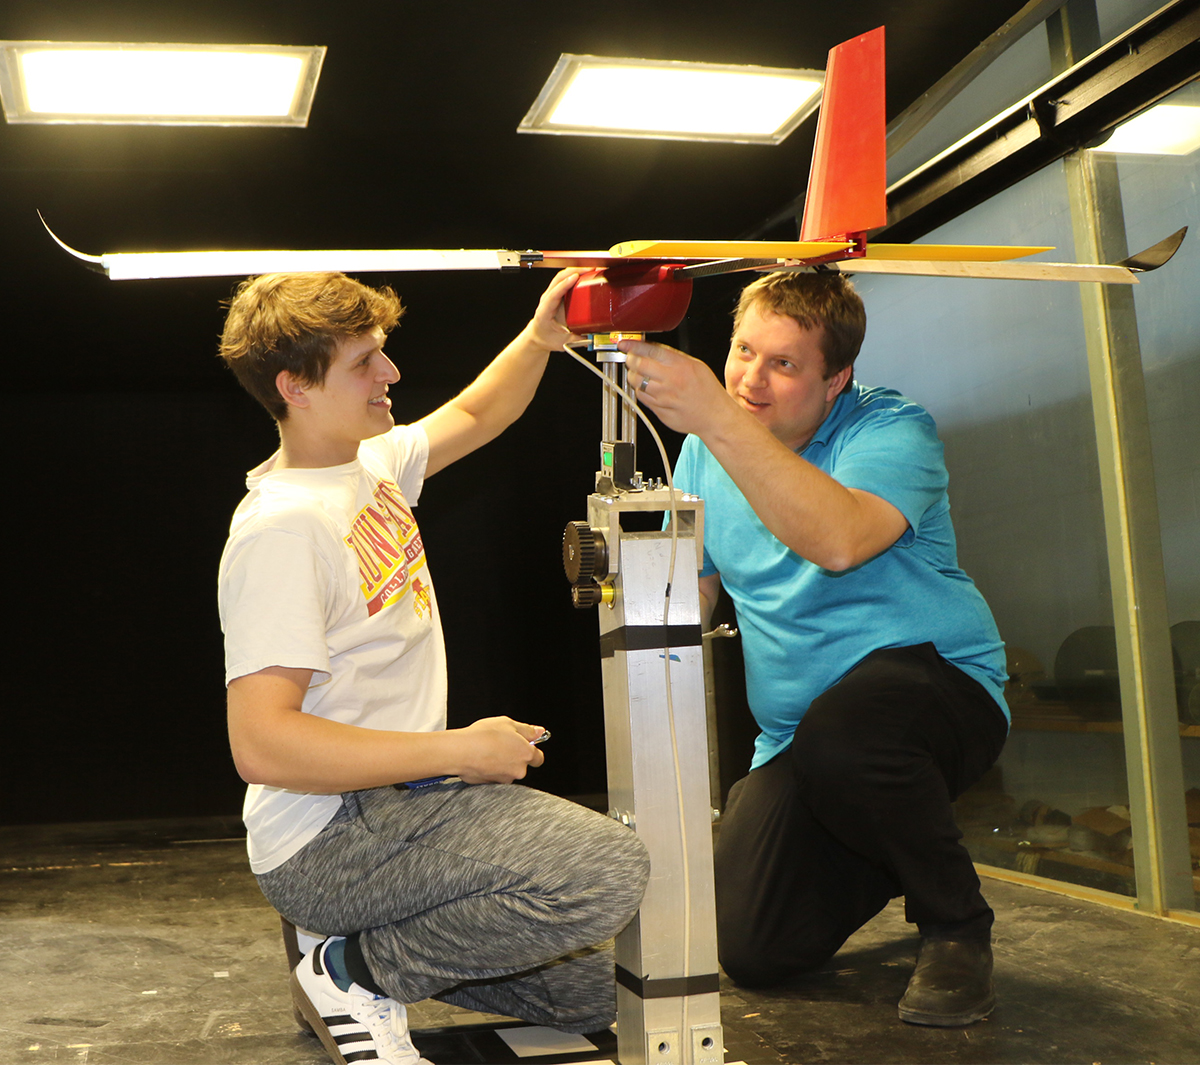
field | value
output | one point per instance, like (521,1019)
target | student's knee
(631,867)
(621,872)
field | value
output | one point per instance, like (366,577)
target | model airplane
(645,286)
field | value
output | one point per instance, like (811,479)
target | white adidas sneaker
(354,1026)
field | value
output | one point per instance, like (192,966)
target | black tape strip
(648,637)
(673,987)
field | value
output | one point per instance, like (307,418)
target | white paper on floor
(532,1042)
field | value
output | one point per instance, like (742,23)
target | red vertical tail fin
(848,181)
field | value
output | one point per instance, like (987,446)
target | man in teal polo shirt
(873,666)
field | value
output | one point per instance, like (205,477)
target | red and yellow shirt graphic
(385,538)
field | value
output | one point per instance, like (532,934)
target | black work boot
(952,984)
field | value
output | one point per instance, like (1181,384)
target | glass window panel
(1116,16)
(1160,194)
(1013,75)
(1002,366)
(1021,69)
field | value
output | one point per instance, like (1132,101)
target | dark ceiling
(131,440)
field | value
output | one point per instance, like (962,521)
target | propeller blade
(705,258)
(1157,254)
(1011,271)
(125,266)
(729,249)
(92,262)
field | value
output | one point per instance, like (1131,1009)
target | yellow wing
(727,249)
(962,253)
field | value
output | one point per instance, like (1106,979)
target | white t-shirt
(324,569)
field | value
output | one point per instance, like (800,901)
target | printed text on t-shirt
(385,538)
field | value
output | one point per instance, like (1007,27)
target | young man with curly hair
(369,823)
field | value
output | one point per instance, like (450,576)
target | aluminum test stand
(667,981)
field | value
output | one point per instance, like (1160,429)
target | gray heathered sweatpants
(494,897)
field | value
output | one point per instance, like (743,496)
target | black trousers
(857,811)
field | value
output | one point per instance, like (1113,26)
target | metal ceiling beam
(1076,109)
(923,110)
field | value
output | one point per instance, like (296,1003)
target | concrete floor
(148,942)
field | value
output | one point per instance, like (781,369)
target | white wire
(630,399)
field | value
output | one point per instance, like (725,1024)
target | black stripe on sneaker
(361,1036)
(362,1055)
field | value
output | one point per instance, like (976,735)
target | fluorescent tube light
(158,84)
(1165,129)
(599,96)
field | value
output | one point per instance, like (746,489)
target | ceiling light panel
(1165,129)
(600,96)
(158,84)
